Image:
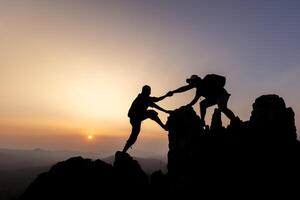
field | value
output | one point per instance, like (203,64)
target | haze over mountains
(19,167)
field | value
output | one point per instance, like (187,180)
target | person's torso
(209,91)
(139,106)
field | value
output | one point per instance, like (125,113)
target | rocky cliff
(253,156)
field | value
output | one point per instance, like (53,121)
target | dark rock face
(79,178)
(245,156)
(184,132)
(272,119)
(259,157)
(130,180)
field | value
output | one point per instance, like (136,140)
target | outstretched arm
(157,99)
(159,108)
(183,89)
(196,98)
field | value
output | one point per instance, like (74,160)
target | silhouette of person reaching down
(138,112)
(212,88)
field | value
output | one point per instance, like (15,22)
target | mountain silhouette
(259,158)
(79,178)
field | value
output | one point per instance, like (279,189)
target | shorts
(148,114)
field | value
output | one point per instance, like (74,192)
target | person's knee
(227,112)
(153,115)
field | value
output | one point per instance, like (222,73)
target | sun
(90,137)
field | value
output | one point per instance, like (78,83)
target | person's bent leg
(222,104)
(203,106)
(157,120)
(136,127)
(228,113)
(154,116)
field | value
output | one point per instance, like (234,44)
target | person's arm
(159,108)
(183,89)
(157,99)
(196,98)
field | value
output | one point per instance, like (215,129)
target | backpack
(214,80)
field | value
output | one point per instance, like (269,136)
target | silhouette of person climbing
(138,112)
(212,88)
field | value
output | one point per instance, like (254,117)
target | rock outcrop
(184,133)
(272,120)
(245,156)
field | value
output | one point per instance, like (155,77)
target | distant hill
(79,178)
(22,158)
(18,168)
(14,182)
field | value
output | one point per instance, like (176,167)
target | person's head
(146,90)
(193,79)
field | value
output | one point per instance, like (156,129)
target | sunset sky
(71,68)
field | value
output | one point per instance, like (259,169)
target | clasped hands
(169,94)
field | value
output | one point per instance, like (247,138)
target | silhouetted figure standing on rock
(212,88)
(138,112)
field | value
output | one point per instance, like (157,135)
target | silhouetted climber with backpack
(138,112)
(212,88)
